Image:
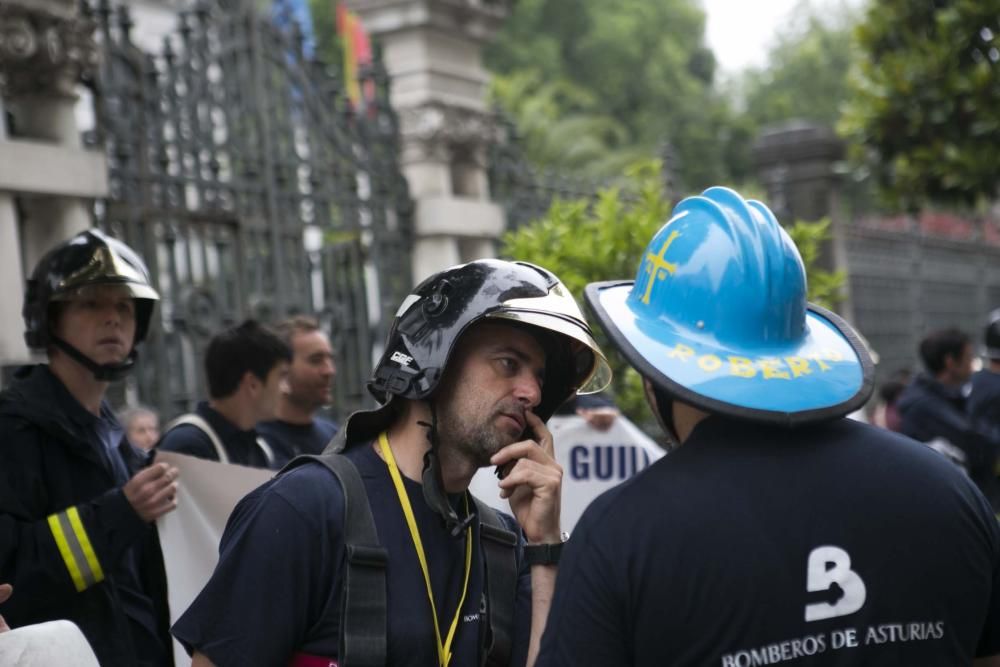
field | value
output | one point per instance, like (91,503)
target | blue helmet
(717,317)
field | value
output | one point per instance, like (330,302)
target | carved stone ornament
(445,124)
(44,51)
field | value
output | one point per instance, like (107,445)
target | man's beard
(477,442)
(310,401)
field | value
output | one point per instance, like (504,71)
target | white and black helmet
(431,319)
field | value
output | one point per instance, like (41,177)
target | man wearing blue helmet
(777,530)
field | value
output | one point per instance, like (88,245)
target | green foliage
(577,141)
(805,78)
(806,73)
(924,114)
(328,44)
(824,286)
(638,71)
(584,243)
(594,85)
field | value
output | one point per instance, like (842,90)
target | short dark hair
(297,324)
(939,345)
(245,347)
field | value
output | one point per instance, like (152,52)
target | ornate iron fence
(908,278)
(230,152)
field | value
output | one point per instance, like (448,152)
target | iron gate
(252,187)
(905,283)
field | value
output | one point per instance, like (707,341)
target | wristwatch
(544,554)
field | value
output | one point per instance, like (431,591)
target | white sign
(593,461)
(190,535)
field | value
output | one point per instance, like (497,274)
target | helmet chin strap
(101,372)
(433,485)
(665,416)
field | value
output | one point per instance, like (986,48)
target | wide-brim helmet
(717,317)
(89,258)
(431,319)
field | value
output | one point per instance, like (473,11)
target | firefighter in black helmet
(77,501)
(78,266)
(478,357)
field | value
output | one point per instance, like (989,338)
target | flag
(357,54)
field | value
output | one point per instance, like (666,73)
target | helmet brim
(593,377)
(136,290)
(824,374)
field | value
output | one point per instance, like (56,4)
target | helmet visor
(136,291)
(105,266)
(557,312)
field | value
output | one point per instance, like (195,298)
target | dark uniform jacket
(984,400)
(936,415)
(70,543)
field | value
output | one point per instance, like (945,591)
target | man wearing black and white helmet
(477,359)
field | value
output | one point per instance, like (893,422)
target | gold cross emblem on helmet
(657,267)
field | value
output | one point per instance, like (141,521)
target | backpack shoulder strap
(500,555)
(363,612)
(266,448)
(198,422)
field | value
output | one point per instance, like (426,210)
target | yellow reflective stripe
(64,550)
(88,549)
(75,548)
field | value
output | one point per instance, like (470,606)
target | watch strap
(542,554)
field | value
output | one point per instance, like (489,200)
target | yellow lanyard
(444,649)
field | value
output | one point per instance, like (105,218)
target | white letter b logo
(828,566)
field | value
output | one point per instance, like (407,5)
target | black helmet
(991,336)
(89,258)
(431,319)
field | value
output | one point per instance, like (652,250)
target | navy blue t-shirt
(834,544)
(984,400)
(289,440)
(277,588)
(241,446)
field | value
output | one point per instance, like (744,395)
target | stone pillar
(46,178)
(12,347)
(796,163)
(432,52)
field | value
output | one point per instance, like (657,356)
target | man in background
(245,367)
(933,409)
(298,427)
